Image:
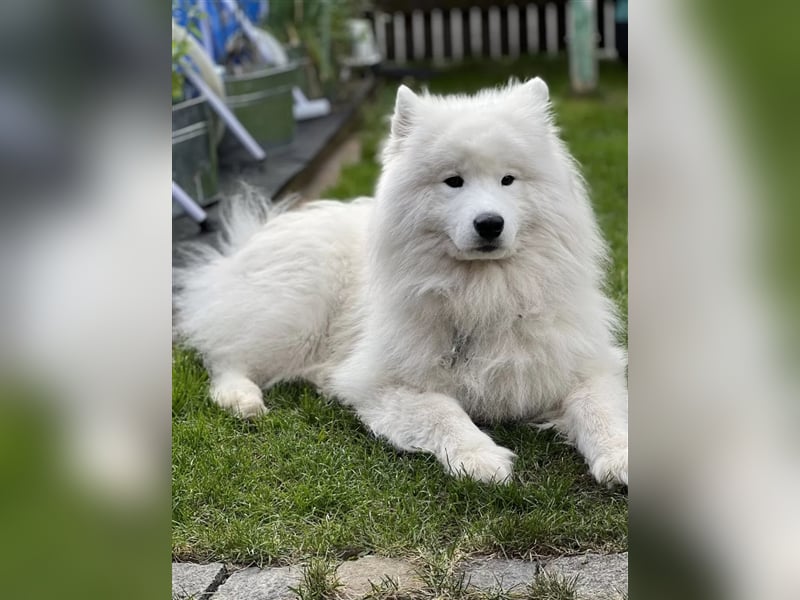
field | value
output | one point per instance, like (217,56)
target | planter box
(194,157)
(262,100)
(307,78)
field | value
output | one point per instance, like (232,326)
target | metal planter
(262,100)
(194,156)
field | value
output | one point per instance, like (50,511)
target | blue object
(222,22)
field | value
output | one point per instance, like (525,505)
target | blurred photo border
(85,303)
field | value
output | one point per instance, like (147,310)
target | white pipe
(308,109)
(223,111)
(205,29)
(188,204)
(201,59)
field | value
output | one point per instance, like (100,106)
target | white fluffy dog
(471,287)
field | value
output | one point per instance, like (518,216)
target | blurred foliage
(755,55)
(179,50)
(317,26)
(62,539)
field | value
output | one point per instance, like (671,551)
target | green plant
(386,589)
(319,581)
(552,587)
(320,26)
(180,48)
(440,574)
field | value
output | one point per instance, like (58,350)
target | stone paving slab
(500,573)
(599,576)
(356,575)
(193,581)
(260,584)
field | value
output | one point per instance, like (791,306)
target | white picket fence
(445,36)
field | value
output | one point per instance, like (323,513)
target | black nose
(488,225)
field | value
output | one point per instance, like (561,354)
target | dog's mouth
(485,252)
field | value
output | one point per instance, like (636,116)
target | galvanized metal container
(307,78)
(194,155)
(262,100)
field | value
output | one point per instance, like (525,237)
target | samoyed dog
(469,290)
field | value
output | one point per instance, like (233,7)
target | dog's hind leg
(238,394)
(435,423)
(595,419)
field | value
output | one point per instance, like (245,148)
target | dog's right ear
(537,88)
(405,109)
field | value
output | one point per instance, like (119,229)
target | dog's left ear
(537,88)
(405,109)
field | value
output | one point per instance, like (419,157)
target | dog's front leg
(436,423)
(595,419)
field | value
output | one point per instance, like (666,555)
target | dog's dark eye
(454,182)
(507,180)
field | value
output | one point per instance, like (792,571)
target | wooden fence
(451,35)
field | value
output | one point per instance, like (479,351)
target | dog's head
(471,172)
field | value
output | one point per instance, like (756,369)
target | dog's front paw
(611,467)
(244,402)
(484,461)
(250,408)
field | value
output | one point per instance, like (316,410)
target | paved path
(598,577)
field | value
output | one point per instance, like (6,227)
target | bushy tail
(241,217)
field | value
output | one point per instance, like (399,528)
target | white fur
(388,305)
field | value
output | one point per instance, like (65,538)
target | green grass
(319,581)
(308,481)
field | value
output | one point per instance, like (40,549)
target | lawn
(308,481)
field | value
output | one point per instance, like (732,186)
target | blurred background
(87,146)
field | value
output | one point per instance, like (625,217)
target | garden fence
(451,35)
